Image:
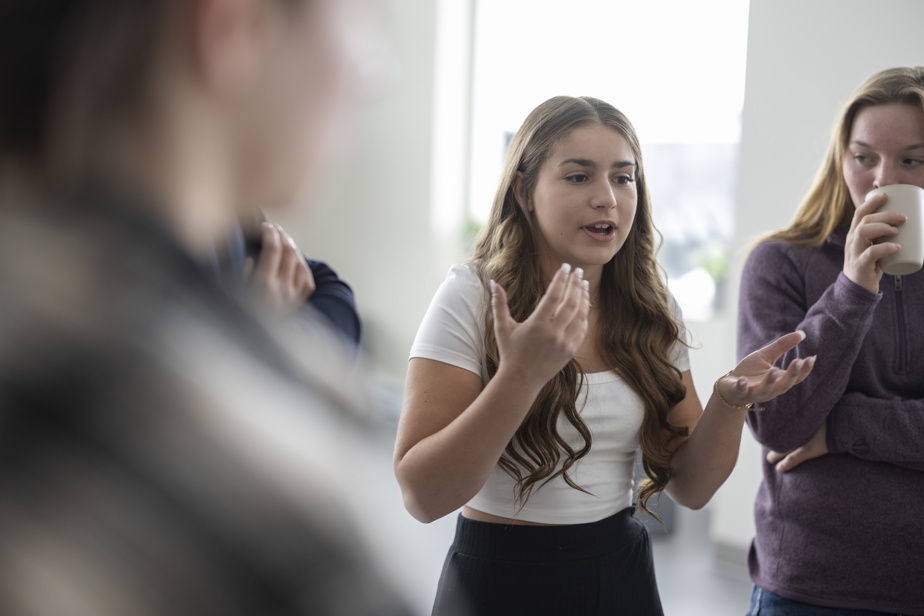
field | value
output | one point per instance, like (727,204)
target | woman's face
(584,200)
(886,147)
(293,123)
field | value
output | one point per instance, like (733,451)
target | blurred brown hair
(69,71)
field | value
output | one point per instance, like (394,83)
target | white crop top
(453,332)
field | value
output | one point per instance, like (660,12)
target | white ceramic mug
(908,200)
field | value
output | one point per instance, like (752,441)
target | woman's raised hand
(755,379)
(281,274)
(539,347)
(861,254)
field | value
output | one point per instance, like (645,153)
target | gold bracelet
(741,407)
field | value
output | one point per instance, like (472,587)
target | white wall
(805,57)
(389,222)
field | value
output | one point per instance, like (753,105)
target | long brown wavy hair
(637,331)
(828,204)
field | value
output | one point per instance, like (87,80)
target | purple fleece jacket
(845,530)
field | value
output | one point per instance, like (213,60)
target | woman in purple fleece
(840,512)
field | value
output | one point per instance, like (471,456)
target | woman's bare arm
(452,432)
(705,459)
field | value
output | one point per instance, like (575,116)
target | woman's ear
(520,193)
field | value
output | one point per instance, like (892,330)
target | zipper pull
(898,283)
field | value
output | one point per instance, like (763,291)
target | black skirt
(603,567)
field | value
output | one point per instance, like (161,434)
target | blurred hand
(861,255)
(755,379)
(815,448)
(281,275)
(539,347)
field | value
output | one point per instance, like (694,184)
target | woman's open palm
(539,347)
(756,379)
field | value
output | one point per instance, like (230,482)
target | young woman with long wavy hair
(541,367)
(839,527)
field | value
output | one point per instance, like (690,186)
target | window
(675,68)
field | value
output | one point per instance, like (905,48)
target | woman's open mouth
(602,232)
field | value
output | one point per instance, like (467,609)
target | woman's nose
(604,197)
(886,175)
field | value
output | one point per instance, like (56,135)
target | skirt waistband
(547,543)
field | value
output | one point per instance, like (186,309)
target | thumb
(775,456)
(502,319)
(791,461)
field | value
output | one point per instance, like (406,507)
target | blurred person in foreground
(161,451)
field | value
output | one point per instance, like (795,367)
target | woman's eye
(624,180)
(912,162)
(861,158)
(577,178)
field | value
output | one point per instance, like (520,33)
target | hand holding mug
(908,201)
(862,253)
(886,235)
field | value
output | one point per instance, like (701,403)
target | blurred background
(733,102)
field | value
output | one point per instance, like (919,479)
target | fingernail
(493,286)
(812,359)
(586,285)
(579,273)
(566,268)
(803,334)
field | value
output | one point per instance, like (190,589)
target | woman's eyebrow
(586,162)
(863,144)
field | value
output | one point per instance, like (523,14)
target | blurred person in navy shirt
(264,255)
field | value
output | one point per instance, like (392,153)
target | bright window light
(675,68)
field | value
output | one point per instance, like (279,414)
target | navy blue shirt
(332,297)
